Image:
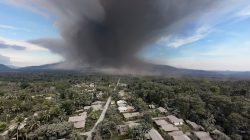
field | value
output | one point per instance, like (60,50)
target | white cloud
(26,45)
(245,12)
(29,56)
(2,26)
(177,41)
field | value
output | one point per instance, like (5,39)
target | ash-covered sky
(210,35)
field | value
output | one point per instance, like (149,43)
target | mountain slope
(4,68)
(146,69)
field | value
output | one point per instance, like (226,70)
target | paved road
(102,116)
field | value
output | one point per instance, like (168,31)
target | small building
(122,129)
(121,103)
(151,106)
(153,134)
(78,121)
(86,108)
(169,128)
(130,108)
(132,124)
(193,125)
(162,110)
(201,135)
(181,137)
(176,133)
(122,109)
(48,98)
(121,93)
(92,85)
(100,94)
(174,120)
(97,107)
(112,103)
(131,115)
(123,85)
(161,122)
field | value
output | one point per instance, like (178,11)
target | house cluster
(172,126)
(79,119)
(126,110)
(87,87)
(123,129)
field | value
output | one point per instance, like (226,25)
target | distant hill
(146,69)
(4,68)
(41,67)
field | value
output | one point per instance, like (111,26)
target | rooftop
(202,135)
(161,122)
(162,110)
(176,133)
(131,115)
(79,121)
(169,128)
(76,118)
(155,135)
(174,119)
(181,137)
(192,124)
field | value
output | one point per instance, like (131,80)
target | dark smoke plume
(110,33)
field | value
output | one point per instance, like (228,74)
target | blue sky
(220,43)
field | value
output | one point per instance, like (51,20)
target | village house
(162,110)
(174,120)
(163,124)
(48,98)
(121,103)
(153,134)
(121,93)
(193,125)
(130,108)
(97,105)
(217,133)
(160,122)
(92,85)
(112,103)
(169,128)
(100,94)
(128,116)
(151,106)
(181,137)
(78,121)
(201,135)
(122,129)
(123,85)
(178,135)
(86,108)
(122,109)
